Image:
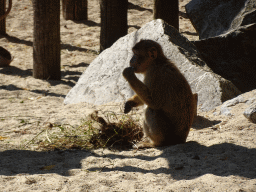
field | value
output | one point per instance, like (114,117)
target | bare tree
(46,43)
(168,10)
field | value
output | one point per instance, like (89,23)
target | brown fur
(171,106)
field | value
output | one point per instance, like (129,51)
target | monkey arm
(143,92)
(134,101)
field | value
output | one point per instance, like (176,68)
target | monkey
(171,106)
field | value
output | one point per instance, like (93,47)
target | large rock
(233,56)
(214,17)
(102,82)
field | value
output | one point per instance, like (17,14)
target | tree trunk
(113,21)
(46,42)
(168,10)
(2,22)
(74,9)
(3,15)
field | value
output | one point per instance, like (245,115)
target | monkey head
(144,55)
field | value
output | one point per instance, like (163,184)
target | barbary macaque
(171,106)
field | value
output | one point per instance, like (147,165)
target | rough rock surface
(232,56)
(248,101)
(102,82)
(214,17)
(250,112)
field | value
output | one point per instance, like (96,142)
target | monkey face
(138,62)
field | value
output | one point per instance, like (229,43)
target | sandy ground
(220,154)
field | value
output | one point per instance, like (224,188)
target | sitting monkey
(171,106)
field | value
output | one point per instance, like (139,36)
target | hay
(124,133)
(94,133)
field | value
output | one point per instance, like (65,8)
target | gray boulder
(215,17)
(250,113)
(102,81)
(226,107)
(232,56)
(233,107)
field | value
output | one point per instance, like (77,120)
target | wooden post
(168,10)
(75,9)
(3,15)
(46,42)
(113,21)
(2,22)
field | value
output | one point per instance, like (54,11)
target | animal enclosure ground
(223,159)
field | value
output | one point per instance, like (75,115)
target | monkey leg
(149,142)
(153,128)
(160,130)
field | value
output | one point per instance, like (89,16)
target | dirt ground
(220,154)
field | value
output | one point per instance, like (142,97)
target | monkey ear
(153,53)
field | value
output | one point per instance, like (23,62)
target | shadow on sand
(186,161)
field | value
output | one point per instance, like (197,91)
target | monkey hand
(128,106)
(128,73)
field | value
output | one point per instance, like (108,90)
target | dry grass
(96,132)
(124,133)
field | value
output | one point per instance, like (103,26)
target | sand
(220,154)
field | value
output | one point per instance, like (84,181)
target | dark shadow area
(88,22)
(68,78)
(82,64)
(132,6)
(201,122)
(13,162)
(135,26)
(189,33)
(236,49)
(63,46)
(183,14)
(192,160)
(17,40)
(186,161)
(47,93)
(38,91)
(74,48)
(5,54)
(14,71)
(10,87)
